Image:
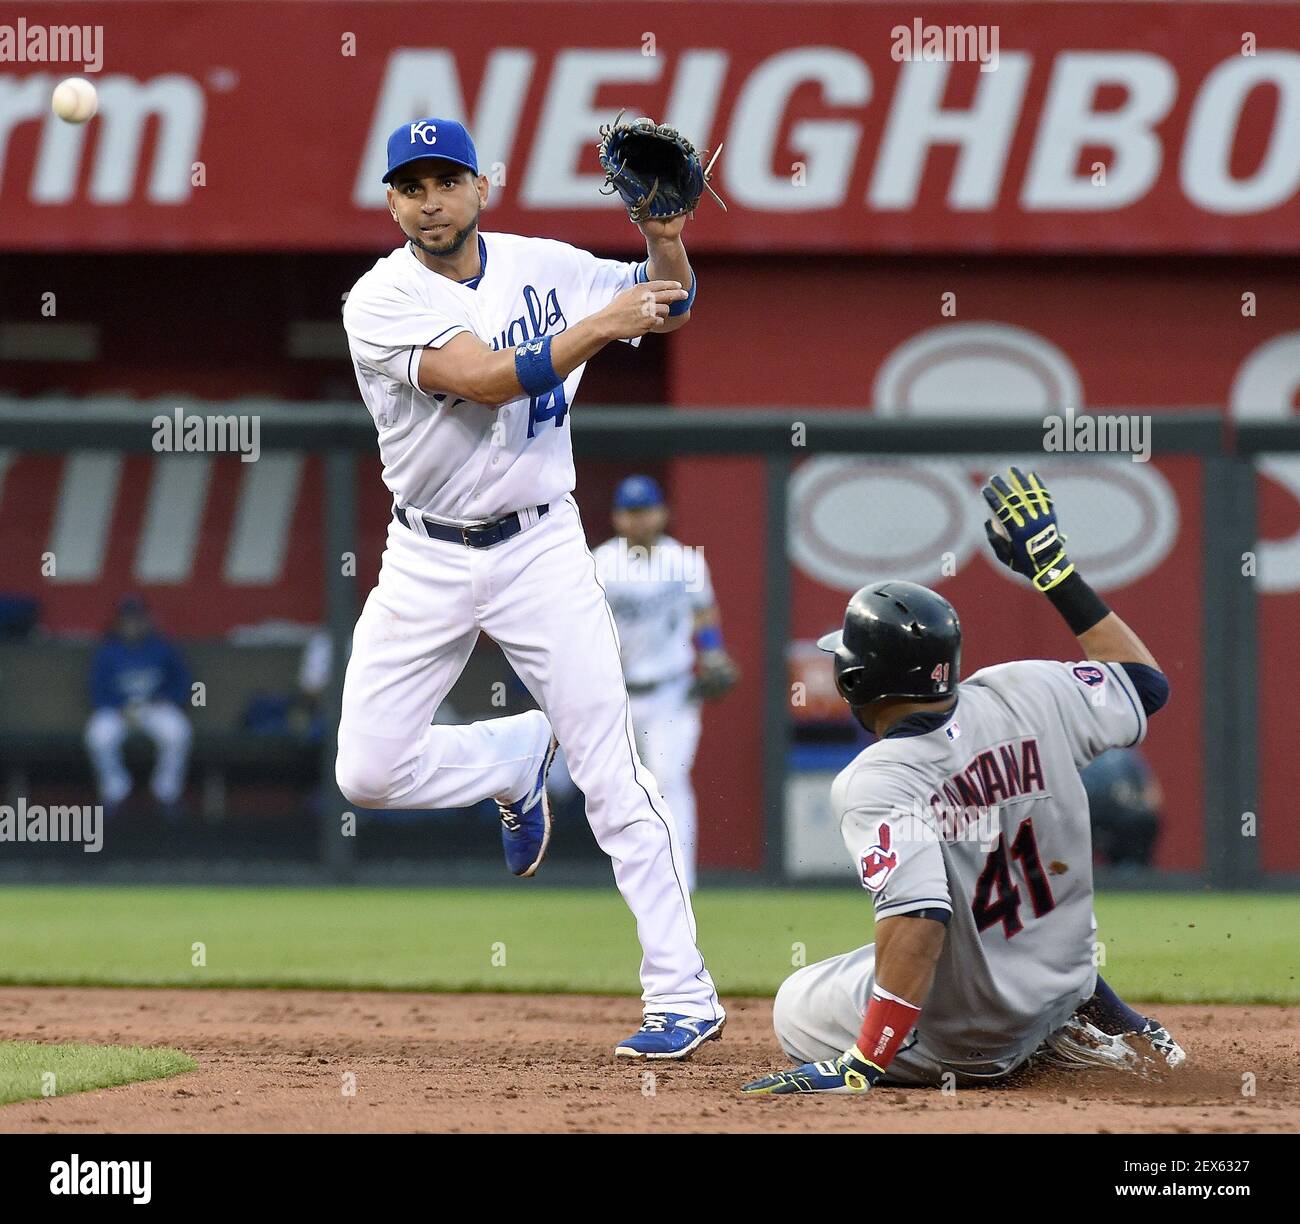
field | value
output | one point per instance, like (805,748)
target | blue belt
(476,535)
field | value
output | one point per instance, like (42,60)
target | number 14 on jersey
(549,406)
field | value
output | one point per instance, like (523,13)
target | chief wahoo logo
(879,861)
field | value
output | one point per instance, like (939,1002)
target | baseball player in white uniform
(468,349)
(668,626)
(968,824)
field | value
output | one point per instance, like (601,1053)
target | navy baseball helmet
(442,138)
(638,493)
(899,640)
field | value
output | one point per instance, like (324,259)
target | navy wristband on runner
(1081,606)
(680,308)
(533,366)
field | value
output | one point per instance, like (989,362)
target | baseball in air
(75,100)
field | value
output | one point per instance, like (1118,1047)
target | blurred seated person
(138,682)
(1124,799)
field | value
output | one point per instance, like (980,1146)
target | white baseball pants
(667,727)
(537,596)
(163,723)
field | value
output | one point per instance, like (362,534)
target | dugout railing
(1227,452)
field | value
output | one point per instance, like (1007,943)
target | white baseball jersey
(654,594)
(454,460)
(983,815)
(535,593)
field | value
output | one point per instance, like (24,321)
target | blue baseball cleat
(526,823)
(668,1035)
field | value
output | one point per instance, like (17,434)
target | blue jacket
(150,670)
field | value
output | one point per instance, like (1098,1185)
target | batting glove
(851,1072)
(1025,535)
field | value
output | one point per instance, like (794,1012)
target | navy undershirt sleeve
(938,915)
(1152,685)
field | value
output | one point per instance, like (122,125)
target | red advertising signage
(846,127)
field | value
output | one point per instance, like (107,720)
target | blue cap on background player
(444,138)
(637,493)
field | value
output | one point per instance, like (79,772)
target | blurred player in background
(138,682)
(670,640)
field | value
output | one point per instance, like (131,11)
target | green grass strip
(1158,947)
(29,1069)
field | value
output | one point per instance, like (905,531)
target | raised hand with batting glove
(1023,532)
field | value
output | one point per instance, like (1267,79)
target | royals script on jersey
(447,457)
(983,814)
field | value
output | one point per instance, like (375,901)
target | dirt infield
(278,1061)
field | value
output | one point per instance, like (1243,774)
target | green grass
(29,1069)
(1160,947)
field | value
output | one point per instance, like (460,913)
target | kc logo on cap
(430,137)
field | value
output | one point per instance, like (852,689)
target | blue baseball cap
(443,138)
(638,493)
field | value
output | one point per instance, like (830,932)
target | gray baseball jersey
(982,814)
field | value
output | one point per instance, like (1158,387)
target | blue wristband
(680,308)
(533,366)
(708,638)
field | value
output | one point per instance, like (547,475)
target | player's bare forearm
(667,261)
(580,343)
(467,367)
(1112,641)
(907,950)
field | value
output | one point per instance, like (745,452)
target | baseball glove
(716,677)
(654,168)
